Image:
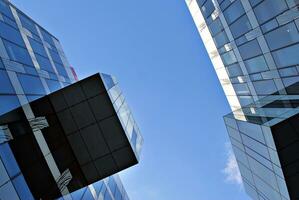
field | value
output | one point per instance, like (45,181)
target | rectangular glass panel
(269,9)
(257,64)
(240,27)
(250,49)
(233,12)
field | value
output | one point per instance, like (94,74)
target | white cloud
(231,169)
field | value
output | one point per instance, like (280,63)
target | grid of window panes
(110,188)
(32,64)
(124,113)
(254,47)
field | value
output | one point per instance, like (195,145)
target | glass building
(60,138)
(254,48)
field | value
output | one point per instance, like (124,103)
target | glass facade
(32,65)
(253,45)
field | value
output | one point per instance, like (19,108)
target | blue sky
(154,50)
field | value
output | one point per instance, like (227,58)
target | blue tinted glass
(221,39)
(28,23)
(216,26)
(44,63)
(287,56)
(3,174)
(56,58)
(240,27)
(257,64)
(11,34)
(234,70)
(234,11)
(47,37)
(77,195)
(61,70)
(269,9)
(53,85)
(5,85)
(265,87)
(5,9)
(201,2)
(33,97)
(17,53)
(283,36)
(241,89)
(107,196)
(108,81)
(208,8)
(10,22)
(134,138)
(225,4)
(37,47)
(112,184)
(229,58)
(250,49)
(1,64)
(7,192)
(254,2)
(31,84)
(98,186)
(87,195)
(8,103)
(9,160)
(22,188)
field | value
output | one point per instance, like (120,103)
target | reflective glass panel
(240,27)
(269,9)
(233,12)
(287,56)
(31,84)
(250,49)
(257,64)
(283,36)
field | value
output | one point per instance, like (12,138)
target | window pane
(44,63)
(234,70)
(233,12)
(229,58)
(37,47)
(53,85)
(61,70)
(11,34)
(216,26)
(5,86)
(257,64)
(3,175)
(8,103)
(27,23)
(221,39)
(17,53)
(240,27)
(5,9)
(269,9)
(286,56)
(250,49)
(31,84)
(265,87)
(207,8)
(22,188)
(282,36)
(9,160)
(241,89)
(7,192)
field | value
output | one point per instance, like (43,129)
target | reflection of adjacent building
(253,45)
(59,137)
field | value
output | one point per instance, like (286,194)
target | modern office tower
(60,138)
(254,47)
